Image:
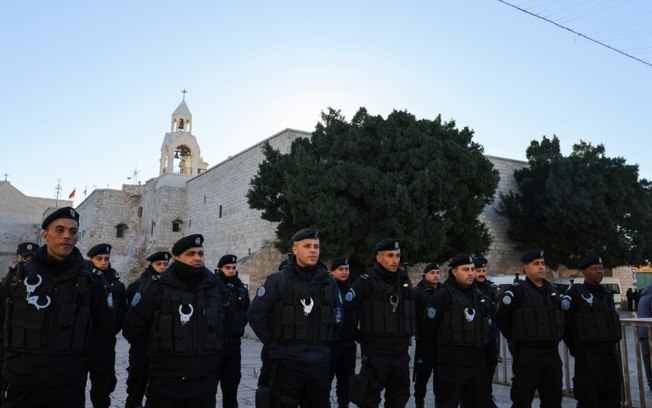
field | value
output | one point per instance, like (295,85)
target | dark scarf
(189,275)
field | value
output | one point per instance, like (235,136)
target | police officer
(344,348)
(456,318)
(236,305)
(101,363)
(592,334)
(491,350)
(137,374)
(180,317)
(52,307)
(383,300)
(531,319)
(424,354)
(296,314)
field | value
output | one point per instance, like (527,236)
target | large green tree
(422,181)
(580,204)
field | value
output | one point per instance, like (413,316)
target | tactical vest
(236,312)
(379,318)
(63,326)
(188,323)
(540,317)
(290,324)
(466,322)
(596,320)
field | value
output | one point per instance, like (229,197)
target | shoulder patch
(350,295)
(507,299)
(566,302)
(431,312)
(136,299)
(260,292)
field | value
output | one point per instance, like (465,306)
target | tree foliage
(581,204)
(422,181)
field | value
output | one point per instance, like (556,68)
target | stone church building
(188,197)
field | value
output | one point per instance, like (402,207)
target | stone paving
(251,367)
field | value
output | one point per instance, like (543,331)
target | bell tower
(180,152)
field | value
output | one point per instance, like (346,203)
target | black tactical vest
(465,323)
(200,333)
(63,326)
(236,310)
(290,324)
(380,318)
(596,320)
(540,317)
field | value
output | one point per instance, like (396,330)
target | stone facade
(20,220)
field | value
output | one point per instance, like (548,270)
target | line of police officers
(184,325)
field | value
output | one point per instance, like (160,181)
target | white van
(502,281)
(612,284)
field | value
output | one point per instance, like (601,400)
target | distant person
(236,305)
(138,375)
(425,358)
(592,334)
(630,299)
(645,310)
(635,297)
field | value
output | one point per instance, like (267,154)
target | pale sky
(89,86)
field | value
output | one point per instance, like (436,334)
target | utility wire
(577,33)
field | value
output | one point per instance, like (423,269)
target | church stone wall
(503,256)
(218,208)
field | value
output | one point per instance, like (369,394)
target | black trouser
(101,368)
(466,384)
(228,372)
(343,367)
(297,383)
(491,356)
(137,376)
(70,395)
(645,353)
(536,369)
(425,365)
(597,379)
(265,367)
(177,393)
(391,373)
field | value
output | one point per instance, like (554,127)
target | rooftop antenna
(134,176)
(57,191)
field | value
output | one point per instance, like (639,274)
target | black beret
(195,240)
(480,261)
(25,248)
(159,256)
(531,255)
(99,249)
(227,259)
(589,260)
(306,233)
(63,212)
(388,244)
(460,259)
(337,262)
(430,267)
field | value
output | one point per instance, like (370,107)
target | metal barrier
(503,371)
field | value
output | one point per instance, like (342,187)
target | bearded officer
(47,336)
(531,319)
(296,314)
(382,299)
(592,334)
(236,305)
(137,374)
(180,318)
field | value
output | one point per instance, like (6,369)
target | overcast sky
(89,86)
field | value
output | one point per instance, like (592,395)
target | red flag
(72,194)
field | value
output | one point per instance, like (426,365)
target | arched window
(176,225)
(120,230)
